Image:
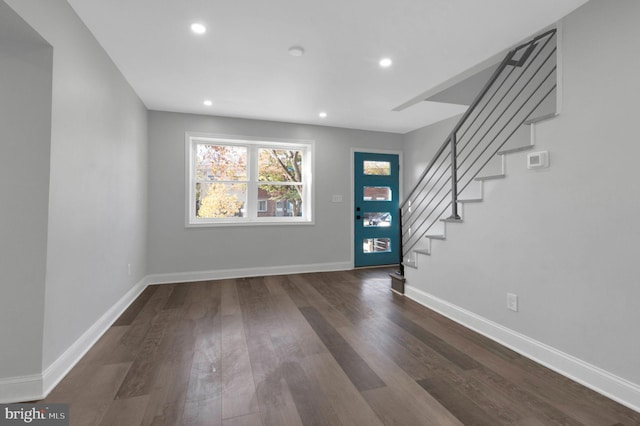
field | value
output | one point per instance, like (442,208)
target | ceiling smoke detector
(296,51)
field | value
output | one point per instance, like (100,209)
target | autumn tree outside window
(234,181)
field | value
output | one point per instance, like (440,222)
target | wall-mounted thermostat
(538,160)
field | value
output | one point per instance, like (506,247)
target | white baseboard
(21,388)
(38,386)
(246,272)
(65,362)
(595,378)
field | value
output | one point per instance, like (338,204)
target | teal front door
(376,209)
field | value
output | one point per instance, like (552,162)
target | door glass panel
(377,193)
(376,219)
(376,245)
(379,168)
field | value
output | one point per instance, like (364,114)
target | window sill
(243,223)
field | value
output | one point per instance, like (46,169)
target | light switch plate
(512,302)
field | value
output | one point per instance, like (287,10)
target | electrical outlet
(512,302)
(128,268)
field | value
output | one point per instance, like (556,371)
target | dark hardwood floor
(333,348)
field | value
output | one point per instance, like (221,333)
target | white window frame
(251,207)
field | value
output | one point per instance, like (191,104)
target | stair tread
(422,251)
(491,177)
(544,117)
(436,237)
(397,276)
(451,220)
(516,149)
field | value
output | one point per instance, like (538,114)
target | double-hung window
(242,181)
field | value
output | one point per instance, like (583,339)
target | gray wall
(173,249)
(25,132)
(98,180)
(564,239)
(421,145)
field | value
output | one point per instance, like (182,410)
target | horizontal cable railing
(519,86)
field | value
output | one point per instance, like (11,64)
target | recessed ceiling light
(207,102)
(296,51)
(198,28)
(322,115)
(385,62)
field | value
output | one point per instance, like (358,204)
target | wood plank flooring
(334,348)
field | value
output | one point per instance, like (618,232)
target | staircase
(521,92)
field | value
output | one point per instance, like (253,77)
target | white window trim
(192,138)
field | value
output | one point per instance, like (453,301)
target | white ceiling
(242,62)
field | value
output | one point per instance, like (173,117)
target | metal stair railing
(522,82)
